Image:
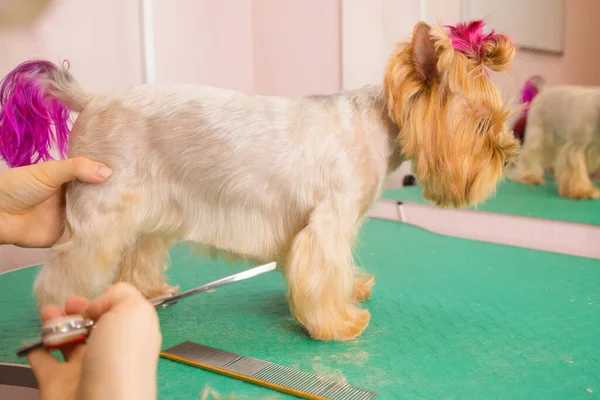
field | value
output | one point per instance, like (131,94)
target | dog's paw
(580,193)
(362,287)
(342,329)
(528,179)
(163,290)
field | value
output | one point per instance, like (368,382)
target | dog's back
(564,111)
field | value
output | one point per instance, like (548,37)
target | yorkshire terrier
(562,132)
(261,178)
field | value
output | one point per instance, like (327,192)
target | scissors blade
(165,301)
(25,349)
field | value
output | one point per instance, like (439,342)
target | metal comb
(264,373)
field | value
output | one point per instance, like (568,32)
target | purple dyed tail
(531,88)
(32,118)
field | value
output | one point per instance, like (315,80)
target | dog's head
(451,117)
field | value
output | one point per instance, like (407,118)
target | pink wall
(204,41)
(582,62)
(297,48)
(263,46)
(100,39)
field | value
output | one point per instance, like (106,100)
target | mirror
(554,41)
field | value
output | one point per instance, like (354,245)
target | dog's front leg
(530,167)
(320,276)
(572,174)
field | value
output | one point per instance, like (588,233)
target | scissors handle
(60,332)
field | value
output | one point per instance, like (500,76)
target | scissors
(76,328)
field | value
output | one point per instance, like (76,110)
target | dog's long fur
(268,178)
(562,133)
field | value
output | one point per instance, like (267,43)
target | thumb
(57,173)
(112,297)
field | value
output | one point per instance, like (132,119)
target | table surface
(514,198)
(451,318)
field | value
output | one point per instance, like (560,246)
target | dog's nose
(409,180)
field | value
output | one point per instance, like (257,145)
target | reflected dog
(562,132)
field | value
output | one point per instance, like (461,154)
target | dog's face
(450,116)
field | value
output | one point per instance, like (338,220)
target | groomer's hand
(59,380)
(32,199)
(123,349)
(120,358)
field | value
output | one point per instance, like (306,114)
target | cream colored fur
(562,133)
(247,175)
(268,178)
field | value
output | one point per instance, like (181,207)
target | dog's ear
(424,53)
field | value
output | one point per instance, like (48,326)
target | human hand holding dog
(32,199)
(120,358)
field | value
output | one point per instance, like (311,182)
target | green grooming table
(451,319)
(514,198)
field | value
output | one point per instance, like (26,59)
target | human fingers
(76,305)
(112,297)
(50,313)
(125,343)
(56,173)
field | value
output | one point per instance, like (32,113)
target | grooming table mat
(514,198)
(451,318)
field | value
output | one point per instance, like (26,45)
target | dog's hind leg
(144,264)
(320,275)
(85,259)
(572,174)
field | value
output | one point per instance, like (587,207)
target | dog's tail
(530,90)
(35,100)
